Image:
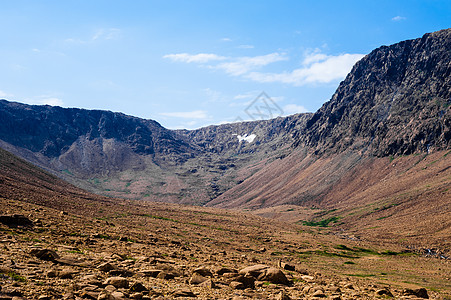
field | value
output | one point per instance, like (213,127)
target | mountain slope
(376,156)
(396,101)
(123,156)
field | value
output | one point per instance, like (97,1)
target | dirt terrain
(57,241)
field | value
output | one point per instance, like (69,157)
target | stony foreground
(52,254)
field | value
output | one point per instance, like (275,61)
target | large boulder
(265,273)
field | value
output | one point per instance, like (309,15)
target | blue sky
(188,64)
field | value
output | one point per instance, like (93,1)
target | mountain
(119,155)
(378,150)
(395,101)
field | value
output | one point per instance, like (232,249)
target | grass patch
(322,223)
(343,247)
(361,275)
(159,218)
(14,276)
(389,252)
(329,254)
(66,171)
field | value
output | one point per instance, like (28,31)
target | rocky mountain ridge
(396,101)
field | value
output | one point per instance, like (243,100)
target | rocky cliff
(395,101)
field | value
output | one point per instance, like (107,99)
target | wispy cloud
(316,68)
(291,109)
(398,19)
(242,65)
(4,94)
(106,34)
(201,58)
(99,35)
(45,100)
(245,47)
(196,114)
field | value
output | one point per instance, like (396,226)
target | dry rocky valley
(350,202)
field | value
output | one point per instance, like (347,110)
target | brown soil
(86,231)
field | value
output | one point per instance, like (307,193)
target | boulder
(265,273)
(197,279)
(204,271)
(16,221)
(45,254)
(117,282)
(420,293)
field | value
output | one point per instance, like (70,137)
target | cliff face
(395,101)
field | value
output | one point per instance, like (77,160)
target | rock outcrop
(395,101)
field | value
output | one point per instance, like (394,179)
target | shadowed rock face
(52,130)
(396,100)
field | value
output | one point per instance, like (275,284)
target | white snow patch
(247,138)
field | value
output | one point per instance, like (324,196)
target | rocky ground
(138,250)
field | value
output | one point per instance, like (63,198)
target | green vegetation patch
(160,218)
(322,223)
(13,275)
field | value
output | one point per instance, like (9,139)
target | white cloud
(4,94)
(245,64)
(50,101)
(291,109)
(196,114)
(226,39)
(245,47)
(106,34)
(45,100)
(317,68)
(194,58)
(100,34)
(398,18)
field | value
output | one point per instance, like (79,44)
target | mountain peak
(395,101)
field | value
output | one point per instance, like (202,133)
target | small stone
(283,296)
(110,288)
(236,285)
(45,254)
(106,267)
(151,273)
(138,287)
(66,274)
(384,292)
(197,279)
(136,296)
(204,271)
(44,297)
(117,296)
(208,284)
(287,267)
(117,282)
(319,294)
(224,270)
(183,292)
(52,274)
